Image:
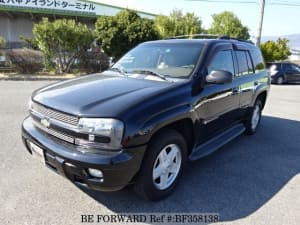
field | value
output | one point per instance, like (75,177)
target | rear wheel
(162,165)
(254,118)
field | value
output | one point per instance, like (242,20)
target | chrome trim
(206,121)
(53,114)
(55,122)
(54,133)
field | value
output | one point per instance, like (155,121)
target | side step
(216,142)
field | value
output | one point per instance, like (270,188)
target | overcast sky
(278,20)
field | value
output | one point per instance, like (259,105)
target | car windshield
(164,60)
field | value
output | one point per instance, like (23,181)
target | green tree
(63,40)
(118,34)
(275,50)
(227,23)
(30,42)
(178,23)
(2,42)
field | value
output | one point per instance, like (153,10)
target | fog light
(95,173)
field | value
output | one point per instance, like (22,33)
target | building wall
(12,27)
(17,17)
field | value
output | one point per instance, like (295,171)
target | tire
(254,117)
(280,80)
(162,165)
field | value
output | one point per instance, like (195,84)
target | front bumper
(118,168)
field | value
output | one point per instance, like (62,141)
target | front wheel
(162,165)
(254,118)
(280,80)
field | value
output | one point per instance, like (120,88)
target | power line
(262,4)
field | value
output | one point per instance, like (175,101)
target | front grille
(55,133)
(72,120)
(60,135)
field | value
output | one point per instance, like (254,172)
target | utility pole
(261,18)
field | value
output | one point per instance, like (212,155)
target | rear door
(292,72)
(244,76)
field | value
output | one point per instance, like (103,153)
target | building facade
(18,16)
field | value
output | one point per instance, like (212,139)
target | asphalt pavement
(252,180)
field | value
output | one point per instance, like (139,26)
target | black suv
(163,103)
(284,72)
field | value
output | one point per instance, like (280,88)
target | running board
(217,142)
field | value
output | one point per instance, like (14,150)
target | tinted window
(250,65)
(291,67)
(173,60)
(257,59)
(222,61)
(244,63)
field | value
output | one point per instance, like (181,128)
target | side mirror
(219,77)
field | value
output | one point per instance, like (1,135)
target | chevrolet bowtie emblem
(45,122)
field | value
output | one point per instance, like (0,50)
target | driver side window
(222,61)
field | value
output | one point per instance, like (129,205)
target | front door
(217,103)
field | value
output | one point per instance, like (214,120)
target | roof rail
(191,36)
(207,36)
(230,38)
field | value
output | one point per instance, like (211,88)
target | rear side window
(291,67)
(222,61)
(244,63)
(257,59)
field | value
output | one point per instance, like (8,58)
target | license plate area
(37,152)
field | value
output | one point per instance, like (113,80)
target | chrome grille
(73,120)
(54,133)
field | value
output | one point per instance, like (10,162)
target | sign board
(77,7)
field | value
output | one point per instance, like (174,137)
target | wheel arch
(184,127)
(263,97)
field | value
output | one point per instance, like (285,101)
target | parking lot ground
(252,180)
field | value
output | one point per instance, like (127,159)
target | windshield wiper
(119,70)
(150,72)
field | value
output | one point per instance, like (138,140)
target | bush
(62,40)
(26,61)
(93,62)
(2,42)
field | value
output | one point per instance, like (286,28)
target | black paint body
(145,107)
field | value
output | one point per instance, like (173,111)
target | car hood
(97,95)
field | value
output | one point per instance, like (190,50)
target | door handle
(255,83)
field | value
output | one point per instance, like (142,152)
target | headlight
(108,131)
